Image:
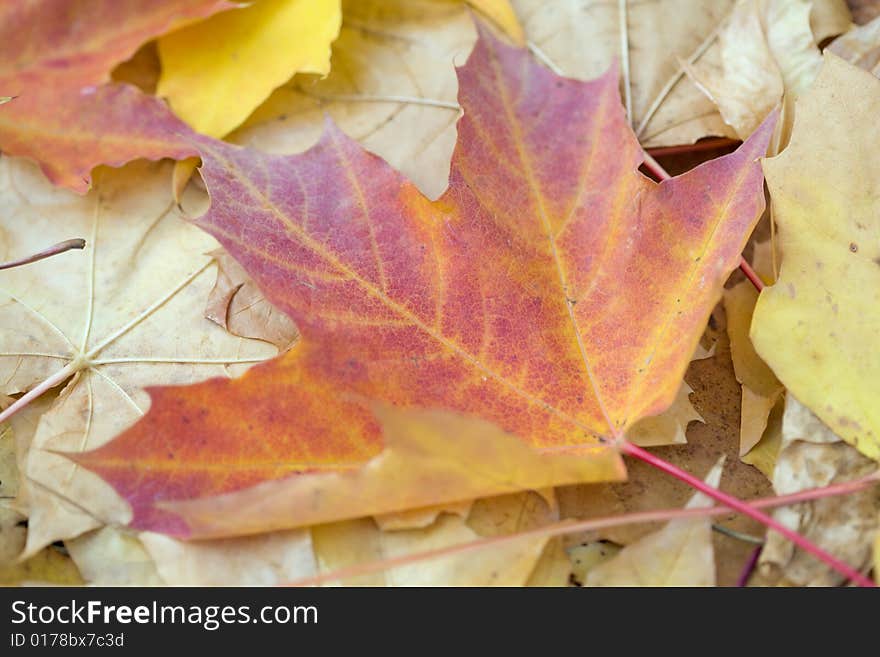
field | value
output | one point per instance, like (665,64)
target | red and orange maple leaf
(553,291)
(56,56)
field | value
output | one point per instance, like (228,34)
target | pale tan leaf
(110,557)
(680,554)
(264,560)
(582,39)
(811,456)
(122,314)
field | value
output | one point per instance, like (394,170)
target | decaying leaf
(812,456)
(538,296)
(215,72)
(816,324)
(680,554)
(64,117)
(106,321)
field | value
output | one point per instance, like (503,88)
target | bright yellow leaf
(216,72)
(818,327)
(502,14)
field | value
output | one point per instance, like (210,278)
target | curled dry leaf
(582,39)
(105,322)
(238,305)
(814,325)
(417,305)
(680,554)
(767,49)
(861,46)
(812,456)
(64,116)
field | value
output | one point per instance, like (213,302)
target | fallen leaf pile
(380,292)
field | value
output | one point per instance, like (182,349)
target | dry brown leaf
(680,554)
(811,455)
(122,314)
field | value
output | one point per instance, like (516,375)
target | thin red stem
(592,524)
(738,505)
(654,167)
(749,568)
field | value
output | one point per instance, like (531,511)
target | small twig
(734,503)
(740,536)
(61,247)
(749,568)
(59,377)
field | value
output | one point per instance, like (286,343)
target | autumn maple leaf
(64,116)
(553,293)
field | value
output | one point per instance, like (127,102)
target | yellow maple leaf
(819,325)
(216,72)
